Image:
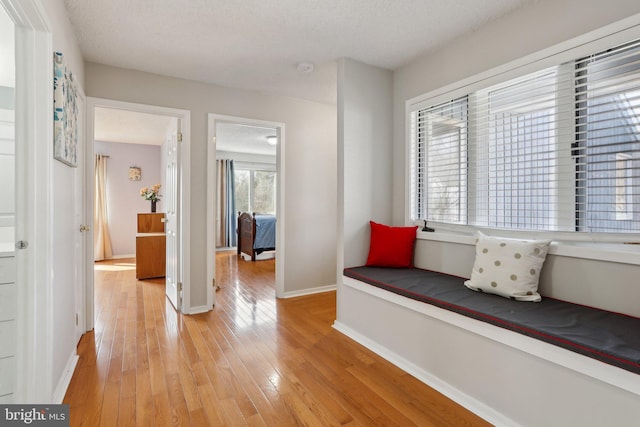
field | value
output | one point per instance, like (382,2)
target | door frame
(212,121)
(34,206)
(185,192)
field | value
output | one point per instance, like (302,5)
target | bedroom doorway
(136,140)
(245,171)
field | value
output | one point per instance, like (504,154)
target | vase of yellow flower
(151,194)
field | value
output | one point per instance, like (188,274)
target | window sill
(599,251)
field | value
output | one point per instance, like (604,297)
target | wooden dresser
(150,246)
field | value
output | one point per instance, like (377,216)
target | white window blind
(607,145)
(554,150)
(518,151)
(440,162)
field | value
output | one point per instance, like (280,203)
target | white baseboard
(310,291)
(123,256)
(199,309)
(65,378)
(260,257)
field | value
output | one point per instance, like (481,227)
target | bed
(256,234)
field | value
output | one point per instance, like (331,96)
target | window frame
(584,45)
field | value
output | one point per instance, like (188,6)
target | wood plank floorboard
(252,361)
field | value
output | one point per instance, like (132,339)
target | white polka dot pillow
(508,267)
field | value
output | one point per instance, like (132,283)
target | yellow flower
(151,194)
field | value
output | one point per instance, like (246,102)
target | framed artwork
(65,113)
(135,173)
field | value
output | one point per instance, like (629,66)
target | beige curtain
(226,215)
(101,238)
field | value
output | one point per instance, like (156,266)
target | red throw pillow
(391,246)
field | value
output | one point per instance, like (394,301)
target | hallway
(253,360)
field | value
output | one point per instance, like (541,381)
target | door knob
(84,228)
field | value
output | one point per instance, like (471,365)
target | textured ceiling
(241,138)
(256,44)
(130,127)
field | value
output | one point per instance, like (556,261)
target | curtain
(101,238)
(227,220)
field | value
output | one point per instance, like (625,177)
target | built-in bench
(483,351)
(612,338)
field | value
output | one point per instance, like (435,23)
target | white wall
(364,161)
(525,31)
(310,196)
(246,157)
(64,221)
(364,153)
(564,277)
(123,196)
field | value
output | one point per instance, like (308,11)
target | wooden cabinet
(150,222)
(150,246)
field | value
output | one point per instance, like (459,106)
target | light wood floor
(253,360)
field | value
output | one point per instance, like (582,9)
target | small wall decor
(135,173)
(65,113)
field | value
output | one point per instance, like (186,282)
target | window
(441,162)
(607,145)
(516,154)
(553,150)
(255,190)
(243,190)
(264,190)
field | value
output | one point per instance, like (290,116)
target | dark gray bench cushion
(610,337)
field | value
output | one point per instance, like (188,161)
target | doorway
(175,126)
(260,159)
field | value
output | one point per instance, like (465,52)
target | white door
(81,223)
(172,218)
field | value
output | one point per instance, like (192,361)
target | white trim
(185,208)
(568,359)
(310,291)
(89,173)
(83,271)
(480,409)
(65,378)
(211,206)
(211,197)
(185,189)
(280,210)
